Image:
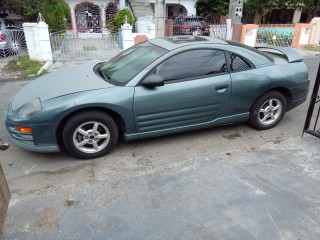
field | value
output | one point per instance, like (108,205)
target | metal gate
(311,124)
(111,11)
(78,46)
(12,43)
(214,25)
(88,18)
(218,25)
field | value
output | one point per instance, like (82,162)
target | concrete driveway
(231,182)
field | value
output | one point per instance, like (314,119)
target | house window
(88,17)
(111,12)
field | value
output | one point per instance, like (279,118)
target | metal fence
(212,25)
(311,124)
(12,44)
(218,31)
(78,46)
(276,35)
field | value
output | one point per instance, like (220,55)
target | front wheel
(268,110)
(90,134)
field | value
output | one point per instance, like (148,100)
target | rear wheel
(90,134)
(268,110)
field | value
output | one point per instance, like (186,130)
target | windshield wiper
(102,74)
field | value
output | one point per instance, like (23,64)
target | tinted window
(192,64)
(249,48)
(238,63)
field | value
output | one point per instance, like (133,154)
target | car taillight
(185,28)
(3,37)
(207,28)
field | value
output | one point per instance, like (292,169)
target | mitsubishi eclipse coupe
(162,86)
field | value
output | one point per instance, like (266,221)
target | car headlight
(29,109)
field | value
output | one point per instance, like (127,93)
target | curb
(44,67)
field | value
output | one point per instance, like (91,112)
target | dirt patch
(232,136)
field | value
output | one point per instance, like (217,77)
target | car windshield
(121,69)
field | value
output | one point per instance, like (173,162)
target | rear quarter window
(238,63)
(256,57)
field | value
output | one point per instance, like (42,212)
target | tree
(205,7)
(312,7)
(264,7)
(28,9)
(55,12)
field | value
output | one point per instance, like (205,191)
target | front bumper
(42,138)
(26,140)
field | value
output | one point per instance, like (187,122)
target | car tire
(90,134)
(268,110)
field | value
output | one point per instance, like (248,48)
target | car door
(197,89)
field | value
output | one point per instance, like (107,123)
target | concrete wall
(102,4)
(38,41)
(302,34)
(129,38)
(315,35)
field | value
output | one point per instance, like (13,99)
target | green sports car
(162,86)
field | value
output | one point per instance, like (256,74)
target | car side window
(192,64)
(238,63)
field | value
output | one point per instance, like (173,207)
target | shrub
(55,12)
(120,17)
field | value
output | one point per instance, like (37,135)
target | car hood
(62,82)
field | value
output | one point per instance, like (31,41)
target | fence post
(31,35)
(152,30)
(127,37)
(315,34)
(249,34)
(236,31)
(44,41)
(38,41)
(301,35)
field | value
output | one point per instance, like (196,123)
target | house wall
(102,4)
(189,5)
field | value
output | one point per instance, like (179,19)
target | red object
(185,28)
(3,37)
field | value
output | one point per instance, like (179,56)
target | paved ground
(264,194)
(231,182)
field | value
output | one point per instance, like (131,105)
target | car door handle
(222,86)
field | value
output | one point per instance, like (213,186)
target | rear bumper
(297,102)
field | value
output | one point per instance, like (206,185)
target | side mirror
(152,81)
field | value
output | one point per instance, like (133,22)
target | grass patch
(312,47)
(25,66)
(89,48)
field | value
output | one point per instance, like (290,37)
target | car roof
(174,42)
